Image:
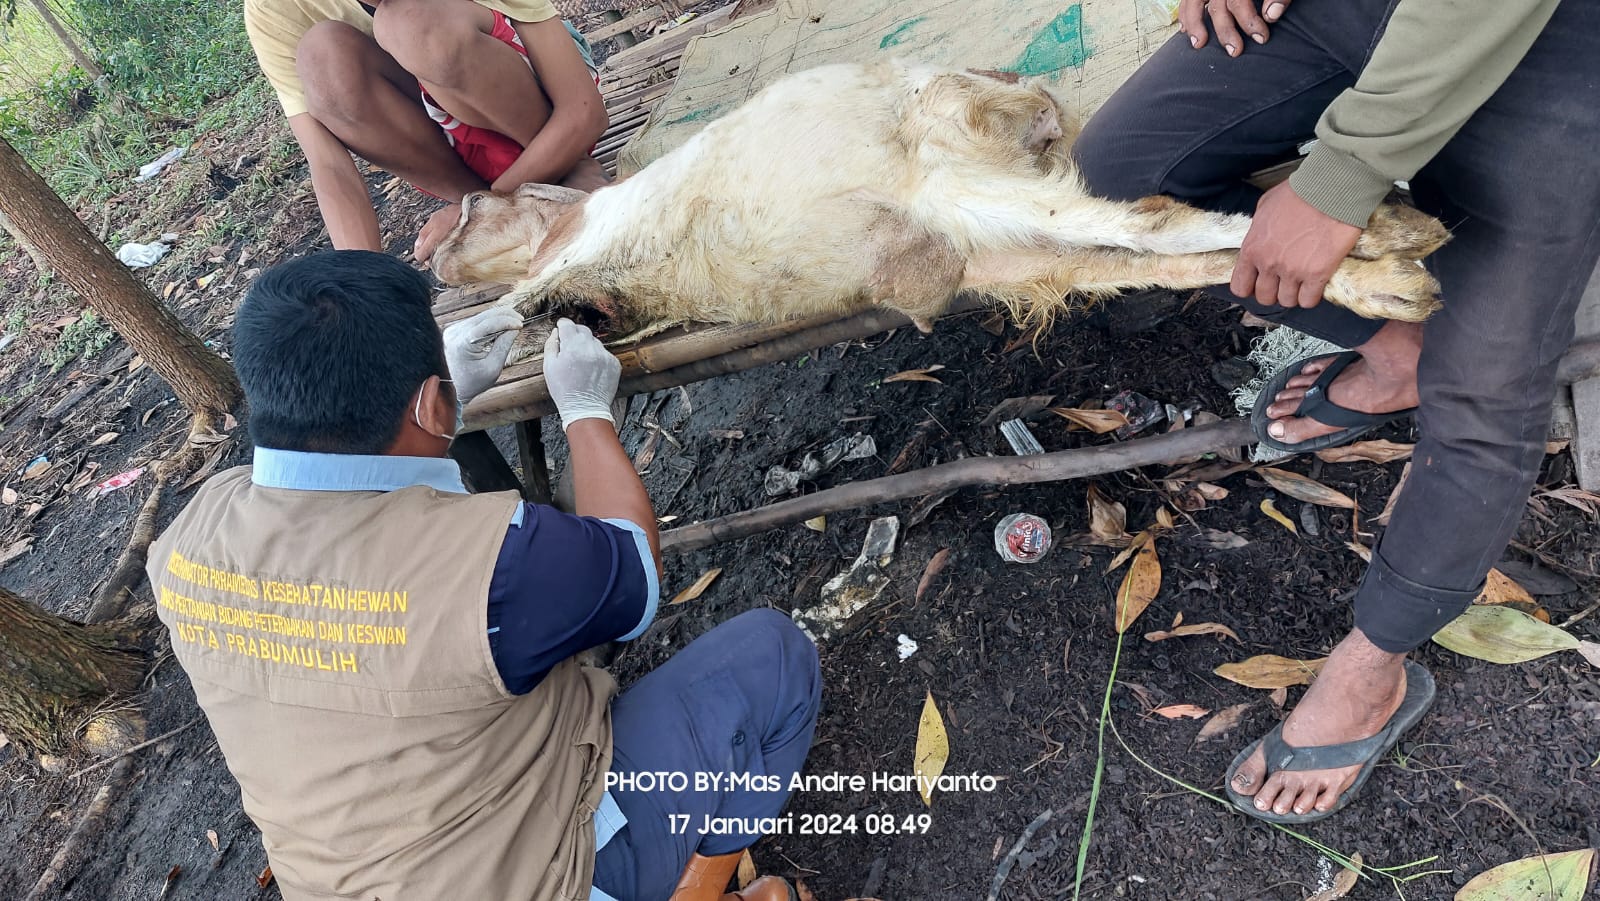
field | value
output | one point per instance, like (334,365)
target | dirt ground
(1017,658)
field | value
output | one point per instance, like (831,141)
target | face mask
(416,414)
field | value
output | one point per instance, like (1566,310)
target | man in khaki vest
(387,661)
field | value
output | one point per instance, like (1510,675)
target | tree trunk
(82,58)
(54,673)
(201,379)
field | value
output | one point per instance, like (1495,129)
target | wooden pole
(1054,467)
(200,378)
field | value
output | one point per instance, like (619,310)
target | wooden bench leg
(482,465)
(535,470)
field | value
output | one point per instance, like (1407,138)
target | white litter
(906,647)
(153,168)
(140,256)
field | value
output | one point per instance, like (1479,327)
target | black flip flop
(1367,751)
(1315,405)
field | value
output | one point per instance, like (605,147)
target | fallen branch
(1053,467)
(112,600)
(88,827)
(1004,869)
(137,748)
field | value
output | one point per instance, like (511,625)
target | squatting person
(453,96)
(388,661)
(1488,109)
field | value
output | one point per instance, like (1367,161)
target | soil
(1017,658)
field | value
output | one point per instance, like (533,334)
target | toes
(1270,792)
(1248,778)
(1308,798)
(1285,403)
(1329,797)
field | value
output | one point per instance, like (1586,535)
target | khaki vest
(337,642)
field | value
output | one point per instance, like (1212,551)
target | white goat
(888,183)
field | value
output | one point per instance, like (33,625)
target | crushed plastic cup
(1022,538)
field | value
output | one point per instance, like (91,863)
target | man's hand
(434,231)
(1291,251)
(580,374)
(1227,18)
(475,350)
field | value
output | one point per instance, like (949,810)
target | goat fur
(889,183)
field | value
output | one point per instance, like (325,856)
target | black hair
(331,348)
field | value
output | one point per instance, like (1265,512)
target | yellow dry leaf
(1548,877)
(1210,492)
(1097,421)
(917,375)
(1302,488)
(817,523)
(1139,587)
(1165,519)
(1271,671)
(1188,711)
(1178,631)
(1133,547)
(1108,520)
(698,588)
(1272,511)
(211,835)
(1381,451)
(933,749)
(107,438)
(1343,883)
(747,870)
(1499,588)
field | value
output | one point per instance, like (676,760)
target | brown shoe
(707,878)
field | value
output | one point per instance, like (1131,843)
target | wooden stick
(1053,467)
(138,747)
(88,827)
(112,599)
(526,395)
(535,468)
(1004,870)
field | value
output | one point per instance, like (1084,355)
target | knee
(332,63)
(431,47)
(769,635)
(1103,161)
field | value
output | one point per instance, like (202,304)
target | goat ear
(552,193)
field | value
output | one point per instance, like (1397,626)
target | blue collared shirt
(561,584)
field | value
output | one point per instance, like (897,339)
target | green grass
(80,340)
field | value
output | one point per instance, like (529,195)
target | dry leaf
(8,495)
(1555,447)
(135,364)
(1138,541)
(1218,540)
(1549,877)
(167,291)
(17,549)
(1272,511)
(1279,697)
(698,588)
(1342,883)
(211,835)
(917,375)
(1173,711)
(1394,496)
(36,469)
(172,876)
(1165,519)
(1382,451)
(1271,671)
(1108,520)
(747,870)
(1097,421)
(1139,587)
(264,879)
(1499,588)
(1586,501)
(1210,492)
(933,749)
(1302,488)
(107,438)
(205,280)
(1225,721)
(817,523)
(803,892)
(935,565)
(1192,629)
(1501,634)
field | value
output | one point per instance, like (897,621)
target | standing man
(388,661)
(1491,110)
(453,96)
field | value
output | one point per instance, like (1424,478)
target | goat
(888,183)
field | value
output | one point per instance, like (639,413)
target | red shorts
(486,152)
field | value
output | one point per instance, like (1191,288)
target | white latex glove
(580,373)
(476,349)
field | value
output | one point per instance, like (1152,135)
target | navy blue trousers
(1519,187)
(743,698)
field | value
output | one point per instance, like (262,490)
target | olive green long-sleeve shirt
(1437,62)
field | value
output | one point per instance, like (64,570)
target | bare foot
(587,176)
(1358,690)
(1382,381)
